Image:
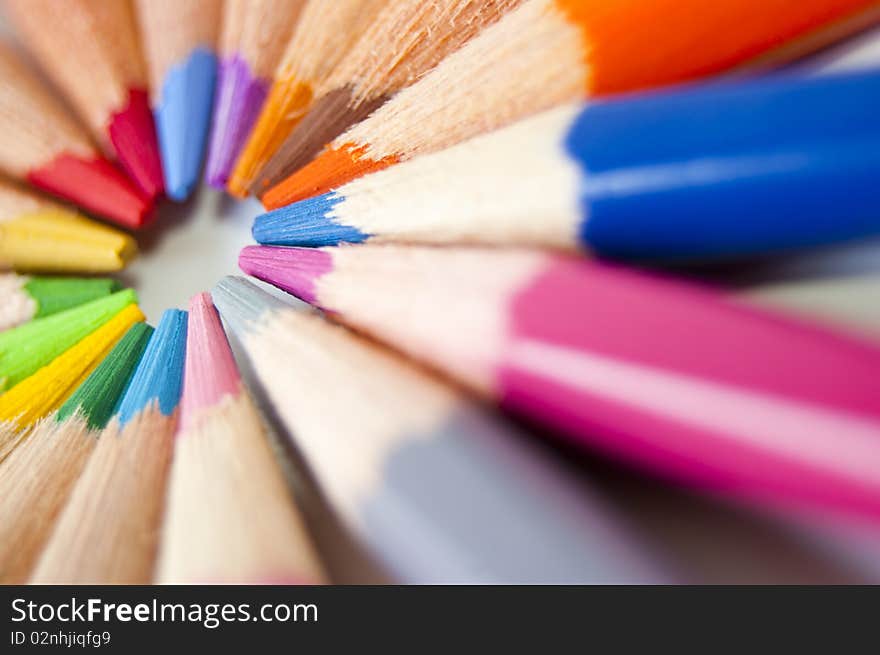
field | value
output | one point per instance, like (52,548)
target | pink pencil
(229,516)
(663,374)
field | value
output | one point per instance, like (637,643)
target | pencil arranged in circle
(108,531)
(41,237)
(253,38)
(717,171)
(91,51)
(326,31)
(671,377)
(24,298)
(29,347)
(49,387)
(180,41)
(406,40)
(547,52)
(229,517)
(43,145)
(36,479)
(438,489)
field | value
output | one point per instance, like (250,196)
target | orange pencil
(42,144)
(551,51)
(90,49)
(326,31)
(406,40)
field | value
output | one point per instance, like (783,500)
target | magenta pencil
(229,516)
(666,375)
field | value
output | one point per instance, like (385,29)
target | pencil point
(237,104)
(211,373)
(183,116)
(329,170)
(294,270)
(309,222)
(159,375)
(95,185)
(133,135)
(96,398)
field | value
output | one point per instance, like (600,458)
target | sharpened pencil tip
(329,170)
(183,116)
(309,222)
(294,270)
(95,185)
(159,375)
(211,373)
(237,104)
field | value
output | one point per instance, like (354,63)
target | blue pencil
(180,46)
(702,172)
(108,532)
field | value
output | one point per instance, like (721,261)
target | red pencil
(90,50)
(44,145)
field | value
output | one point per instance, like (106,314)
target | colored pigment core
(237,105)
(133,135)
(284,108)
(95,185)
(159,377)
(55,294)
(96,398)
(295,270)
(29,347)
(329,170)
(306,223)
(183,118)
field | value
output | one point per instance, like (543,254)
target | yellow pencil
(39,236)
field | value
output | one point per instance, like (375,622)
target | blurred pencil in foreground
(720,171)
(229,518)
(547,52)
(406,40)
(326,31)
(180,40)
(49,387)
(254,35)
(669,376)
(29,347)
(23,298)
(41,237)
(108,531)
(91,51)
(36,479)
(440,491)
(42,144)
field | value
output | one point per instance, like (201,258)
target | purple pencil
(255,33)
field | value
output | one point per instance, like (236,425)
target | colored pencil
(39,236)
(42,144)
(230,517)
(36,479)
(666,375)
(108,531)
(180,40)
(718,171)
(24,298)
(29,347)
(326,31)
(406,40)
(430,482)
(254,35)
(49,387)
(91,51)
(547,52)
